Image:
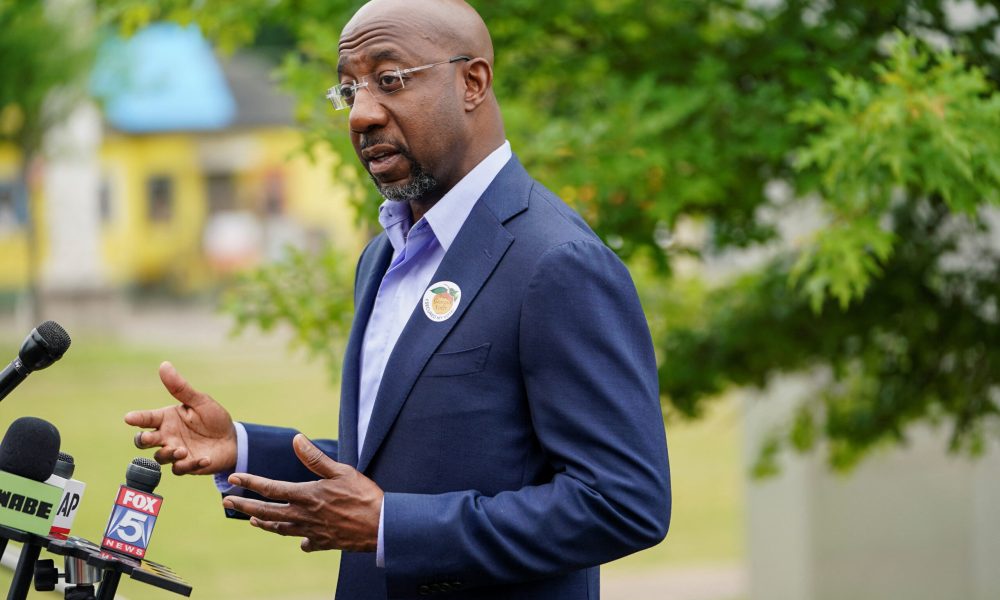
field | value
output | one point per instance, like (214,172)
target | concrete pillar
(72,258)
(912,522)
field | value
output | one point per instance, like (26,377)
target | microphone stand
(31,547)
(109,585)
(24,572)
(86,564)
(113,566)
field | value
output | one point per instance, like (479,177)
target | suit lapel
(370,272)
(470,260)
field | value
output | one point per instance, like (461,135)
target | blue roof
(164,78)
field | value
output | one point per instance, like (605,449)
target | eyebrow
(380,55)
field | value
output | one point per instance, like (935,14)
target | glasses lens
(341,95)
(389,82)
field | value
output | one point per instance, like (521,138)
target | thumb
(178,387)
(314,459)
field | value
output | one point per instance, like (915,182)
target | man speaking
(500,428)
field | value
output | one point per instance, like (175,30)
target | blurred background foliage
(42,53)
(47,53)
(879,118)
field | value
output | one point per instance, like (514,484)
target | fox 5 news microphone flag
(134,513)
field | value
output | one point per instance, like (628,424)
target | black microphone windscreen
(30,448)
(65,465)
(143,474)
(44,345)
(55,336)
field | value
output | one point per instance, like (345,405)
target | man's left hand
(340,511)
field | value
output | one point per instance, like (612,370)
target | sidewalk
(710,582)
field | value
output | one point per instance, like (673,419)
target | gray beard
(420,183)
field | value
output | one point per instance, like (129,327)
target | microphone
(28,455)
(80,577)
(135,510)
(44,345)
(125,540)
(71,496)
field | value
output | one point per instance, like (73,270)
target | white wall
(911,523)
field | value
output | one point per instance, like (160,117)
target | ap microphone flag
(71,496)
(135,510)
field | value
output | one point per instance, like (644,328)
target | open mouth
(381,158)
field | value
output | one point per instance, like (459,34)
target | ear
(478,81)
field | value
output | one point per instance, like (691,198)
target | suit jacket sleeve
(590,381)
(270,455)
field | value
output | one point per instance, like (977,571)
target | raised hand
(339,511)
(195,436)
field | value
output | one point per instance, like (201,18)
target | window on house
(160,198)
(274,194)
(221,189)
(104,209)
(12,213)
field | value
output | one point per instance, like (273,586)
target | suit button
(424,590)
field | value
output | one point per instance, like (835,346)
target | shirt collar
(448,215)
(395,216)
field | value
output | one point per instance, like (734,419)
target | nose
(367,112)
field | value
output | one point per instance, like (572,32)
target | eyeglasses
(387,82)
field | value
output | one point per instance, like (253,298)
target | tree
(45,57)
(898,293)
(647,115)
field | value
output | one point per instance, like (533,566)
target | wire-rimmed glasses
(387,82)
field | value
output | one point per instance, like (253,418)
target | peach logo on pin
(441,300)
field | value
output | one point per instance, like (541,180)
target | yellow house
(13,235)
(191,172)
(166,199)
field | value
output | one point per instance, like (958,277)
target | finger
(262,511)
(167,455)
(164,455)
(269,488)
(186,466)
(278,527)
(314,459)
(145,418)
(179,388)
(148,439)
(307,545)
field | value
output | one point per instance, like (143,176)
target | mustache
(369,140)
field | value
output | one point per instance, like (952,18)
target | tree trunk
(33,290)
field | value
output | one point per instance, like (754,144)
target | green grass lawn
(98,381)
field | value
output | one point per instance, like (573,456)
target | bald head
(420,139)
(450,25)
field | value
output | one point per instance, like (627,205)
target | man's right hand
(196,436)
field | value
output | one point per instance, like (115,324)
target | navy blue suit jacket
(520,443)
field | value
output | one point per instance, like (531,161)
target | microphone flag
(27,504)
(132,520)
(68,505)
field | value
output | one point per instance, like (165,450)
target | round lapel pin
(441,300)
